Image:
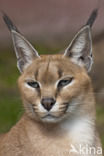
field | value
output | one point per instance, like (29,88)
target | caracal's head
(53,87)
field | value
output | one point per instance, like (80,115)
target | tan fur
(33,137)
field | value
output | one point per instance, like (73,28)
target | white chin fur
(50,119)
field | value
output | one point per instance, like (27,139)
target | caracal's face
(53,88)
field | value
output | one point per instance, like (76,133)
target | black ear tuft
(9,23)
(92,17)
(25,52)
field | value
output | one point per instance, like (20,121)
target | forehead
(51,67)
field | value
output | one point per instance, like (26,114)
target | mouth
(49,118)
(54,116)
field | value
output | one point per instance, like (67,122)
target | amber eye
(64,82)
(33,84)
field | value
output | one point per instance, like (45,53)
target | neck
(78,129)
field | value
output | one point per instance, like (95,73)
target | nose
(48,103)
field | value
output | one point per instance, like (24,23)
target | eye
(33,84)
(64,82)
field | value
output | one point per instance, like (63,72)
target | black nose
(48,103)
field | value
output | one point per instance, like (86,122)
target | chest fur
(60,142)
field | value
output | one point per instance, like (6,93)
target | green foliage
(10,103)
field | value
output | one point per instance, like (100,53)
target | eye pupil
(33,84)
(63,83)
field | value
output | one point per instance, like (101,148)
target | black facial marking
(36,74)
(60,73)
(92,17)
(9,23)
(48,63)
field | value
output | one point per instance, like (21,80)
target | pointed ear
(24,50)
(80,49)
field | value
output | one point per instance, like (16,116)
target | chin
(51,119)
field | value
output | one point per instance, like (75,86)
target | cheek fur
(29,93)
(69,92)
